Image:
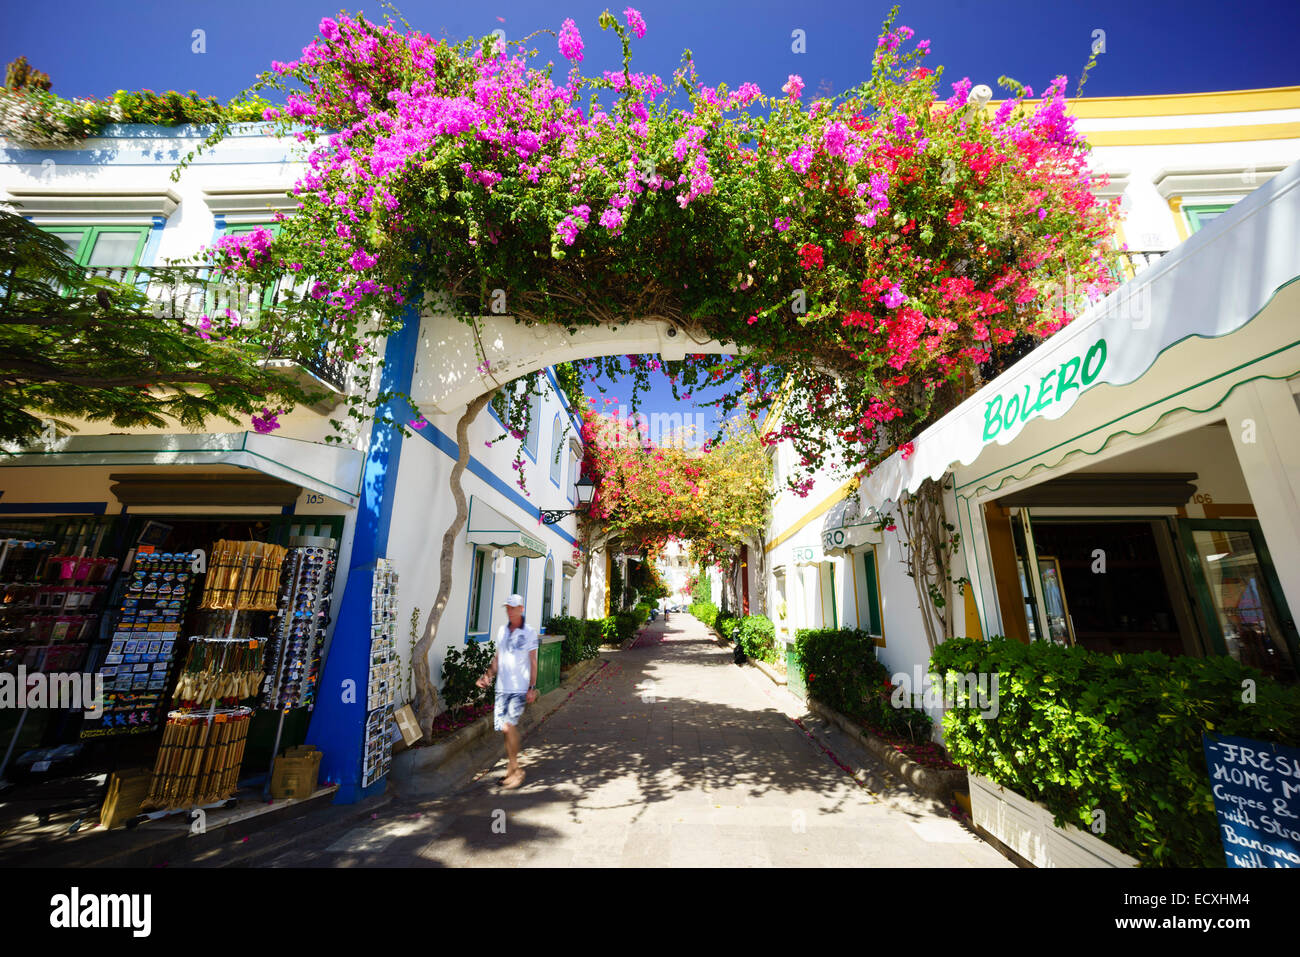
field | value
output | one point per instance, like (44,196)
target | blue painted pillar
(338,722)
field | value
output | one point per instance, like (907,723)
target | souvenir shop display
(50,605)
(225,670)
(203,742)
(243,576)
(298,632)
(382,683)
(198,763)
(379,746)
(139,658)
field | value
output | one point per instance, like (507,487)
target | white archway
(452,353)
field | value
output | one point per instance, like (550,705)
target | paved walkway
(670,755)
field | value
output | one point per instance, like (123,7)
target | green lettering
(1067,381)
(1026,410)
(1044,392)
(1012,410)
(1098,349)
(993,417)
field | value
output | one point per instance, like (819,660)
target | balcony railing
(1129,262)
(188,294)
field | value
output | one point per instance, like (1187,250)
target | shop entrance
(1240,597)
(1109,586)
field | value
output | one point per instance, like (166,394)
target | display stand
(298,635)
(203,742)
(382,681)
(139,658)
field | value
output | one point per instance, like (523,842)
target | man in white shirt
(515,668)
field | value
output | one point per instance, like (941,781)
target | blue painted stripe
(447,445)
(63,508)
(564,400)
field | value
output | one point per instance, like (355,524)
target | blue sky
(91,48)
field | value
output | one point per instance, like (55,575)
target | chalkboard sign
(1256,787)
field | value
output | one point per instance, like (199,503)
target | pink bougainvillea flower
(793,86)
(635,21)
(267,422)
(571,41)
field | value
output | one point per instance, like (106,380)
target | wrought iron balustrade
(189,293)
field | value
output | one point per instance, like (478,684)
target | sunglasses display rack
(140,653)
(298,632)
(382,683)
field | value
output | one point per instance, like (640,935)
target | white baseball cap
(515,601)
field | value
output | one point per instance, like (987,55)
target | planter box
(548,663)
(1026,827)
(794,673)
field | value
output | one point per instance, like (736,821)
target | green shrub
(840,669)
(705,611)
(461,668)
(1081,731)
(725,624)
(625,626)
(642,613)
(757,637)
(575,646)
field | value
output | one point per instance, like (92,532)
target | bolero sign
(1078,372)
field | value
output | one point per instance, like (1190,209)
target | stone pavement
(670,755)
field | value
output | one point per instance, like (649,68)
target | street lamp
(585,487)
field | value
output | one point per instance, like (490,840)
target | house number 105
(314,498)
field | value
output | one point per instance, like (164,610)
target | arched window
(557,460)
(548,589)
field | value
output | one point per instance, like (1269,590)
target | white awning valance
(491,529)
(329,470)
(1213,284)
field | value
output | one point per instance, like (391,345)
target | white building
(1175,460)
(376,494)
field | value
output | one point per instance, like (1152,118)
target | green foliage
(725,625)
(95,349)
(1080,731)
(20,76)
(461,668)
(582,638)
(625,625)
(34,116)
(841,669)
(702,590)
(570,381)
(757,637)
(705,611)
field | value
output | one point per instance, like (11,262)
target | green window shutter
(873,591)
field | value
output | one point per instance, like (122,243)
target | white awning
(491,529)
(330,470)
(1208,287)
(845,527)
